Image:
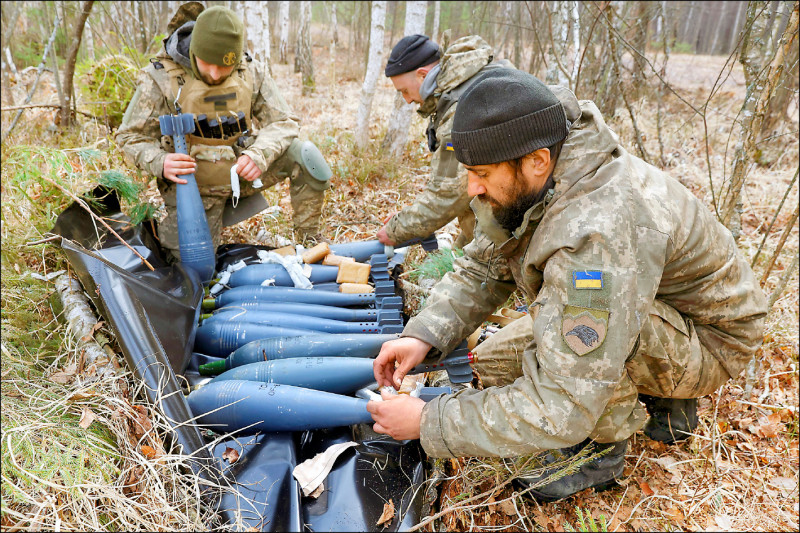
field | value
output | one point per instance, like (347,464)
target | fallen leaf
(81,395)
(230,455)
(133,481)
(387,515)
(317,491)
(667,462)
(675,514)
(88,336)
(65,375)
(646,488)
(87,417)
(508,507)
(148,451)
(723,522)
(767,426)
(785,484)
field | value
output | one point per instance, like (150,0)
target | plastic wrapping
(154,316)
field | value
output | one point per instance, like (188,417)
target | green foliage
(111,81)
(681,47)
(587,523)
(436,264)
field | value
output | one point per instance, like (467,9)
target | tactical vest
(214,157)
(448,99)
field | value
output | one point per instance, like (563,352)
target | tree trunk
(741,7)
(69,66)
(283,50)
(576,41)
(257,20)
(377,29)
(334,23)
(397,133)
(437,6)
(304,53)
(761,84)
(557,38)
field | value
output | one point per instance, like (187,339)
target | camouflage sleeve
(444,198)
(277,125)
(139,135)
(586,319)
(459,302)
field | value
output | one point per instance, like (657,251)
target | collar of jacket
(507,243)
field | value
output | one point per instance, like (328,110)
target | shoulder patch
(587,279)
(584,329)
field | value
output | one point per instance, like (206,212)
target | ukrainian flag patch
(587,279)
(449,147)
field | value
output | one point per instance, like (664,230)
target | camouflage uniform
(635,286)
(273,128)
(445,196)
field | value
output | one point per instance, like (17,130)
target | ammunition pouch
(314,169)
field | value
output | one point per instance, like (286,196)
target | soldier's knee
(311,168)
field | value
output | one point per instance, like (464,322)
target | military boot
(600,473)
(671,419)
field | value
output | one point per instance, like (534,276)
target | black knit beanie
(411,53)
(504,115)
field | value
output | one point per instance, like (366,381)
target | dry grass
(739,472)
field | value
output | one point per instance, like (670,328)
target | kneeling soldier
(638,293)
(242,119)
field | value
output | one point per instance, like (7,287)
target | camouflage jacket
(140,138)
(445,195)
(613,235)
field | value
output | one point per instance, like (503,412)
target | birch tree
(762,69)
(437,7)
(283,17)
(257,20)
(304,49)
(374,63)
(397,133)
(558,37)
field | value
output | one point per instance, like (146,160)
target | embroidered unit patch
(587,279)
(449,147)
(584,329)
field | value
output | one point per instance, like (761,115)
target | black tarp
(153,315)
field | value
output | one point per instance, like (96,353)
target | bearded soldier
(639,294)
(435,79)
(241,118)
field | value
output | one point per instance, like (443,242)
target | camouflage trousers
(306,203)
(668,361)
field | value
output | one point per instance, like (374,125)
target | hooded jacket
(445,195)
(139,136)
(612,222)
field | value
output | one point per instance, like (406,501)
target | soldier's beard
(510,216)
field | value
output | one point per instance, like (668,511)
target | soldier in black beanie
(641,301)
(424,74)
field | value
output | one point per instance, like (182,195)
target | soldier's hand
(407,352)
(177,165)
(398,415)
(247,168)
(384,237)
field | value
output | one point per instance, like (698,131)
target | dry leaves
(387,515)
(148,451)
(767,426)
(230,455)
(87,417)
(645,488)
(65,375)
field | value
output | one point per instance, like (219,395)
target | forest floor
(738,472)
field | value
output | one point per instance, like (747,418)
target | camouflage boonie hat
(188,11)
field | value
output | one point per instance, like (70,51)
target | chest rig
(212,146)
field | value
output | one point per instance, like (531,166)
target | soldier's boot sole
(599,474)
(671,419)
